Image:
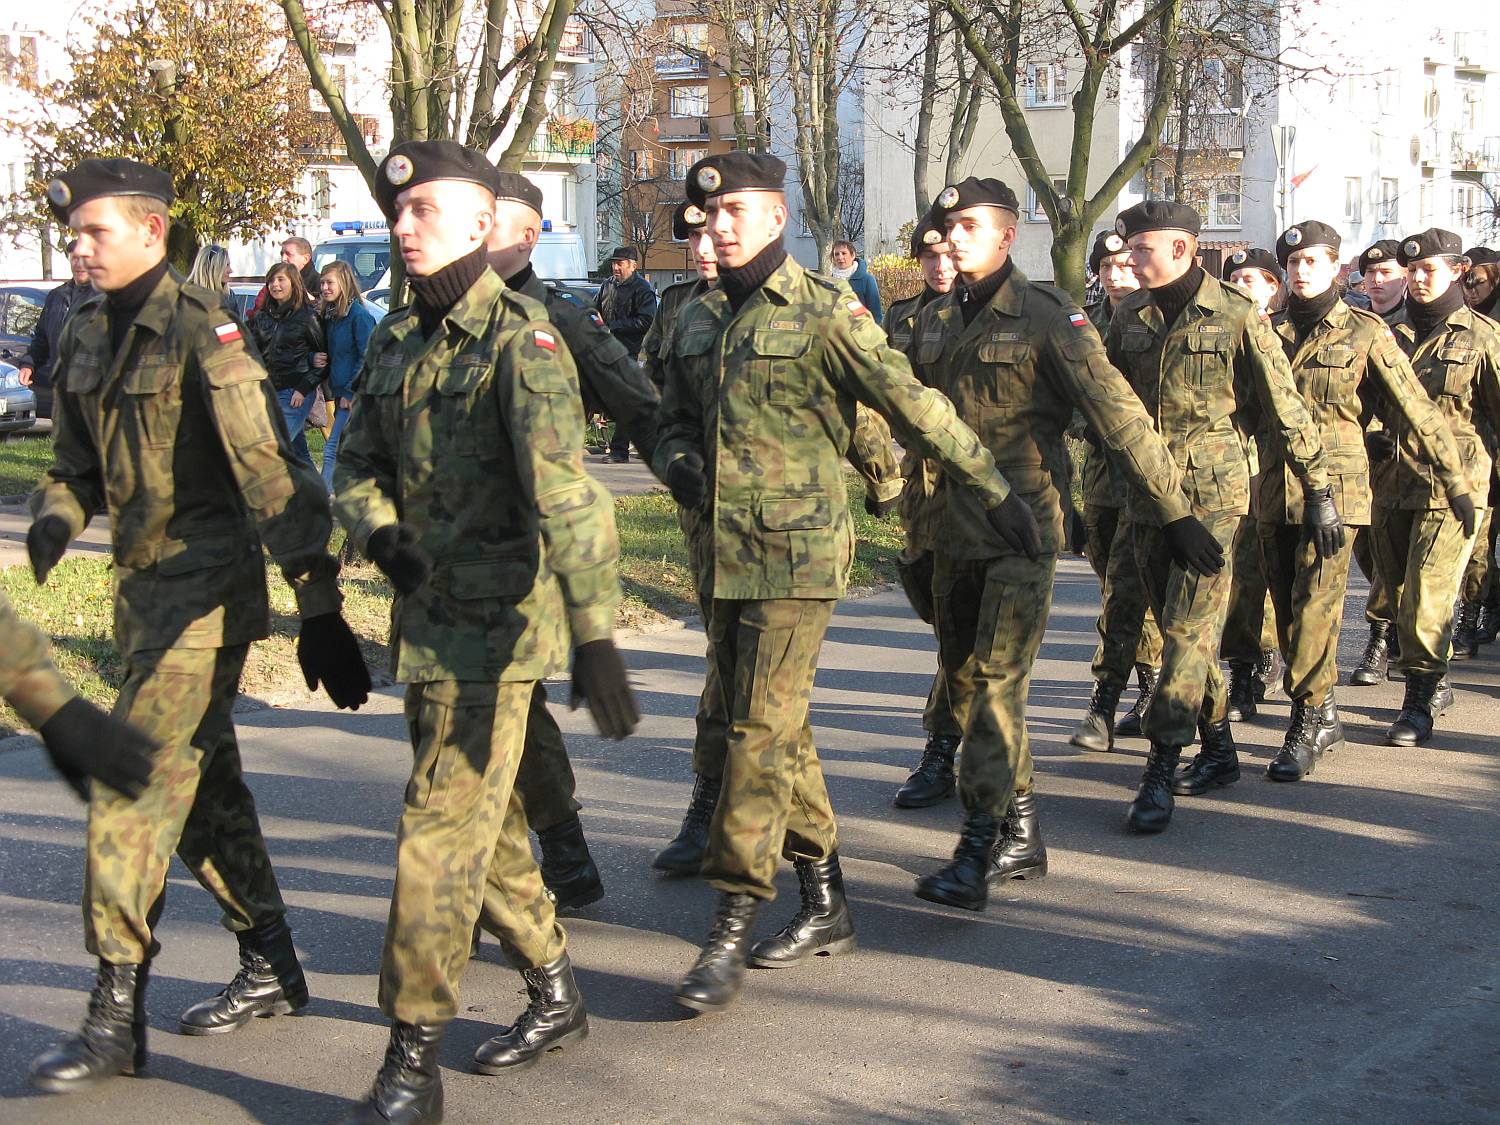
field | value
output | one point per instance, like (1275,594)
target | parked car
(20,309)
(17,403)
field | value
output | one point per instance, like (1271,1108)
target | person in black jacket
(288,333)
(36,365)
(628,305)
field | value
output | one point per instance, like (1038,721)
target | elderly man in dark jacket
(36,365)
(627,303)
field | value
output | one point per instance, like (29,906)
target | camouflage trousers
(773,800)
(462,849)
(991,615)
(1378,607)
(1423,552)
(1477,572)
(1127,631)
(1190,609)
(1250,620)
(196,803)
(29,681)
(940,717)
(1309,597)
(545,778)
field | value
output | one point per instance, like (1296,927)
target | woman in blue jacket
(347,325)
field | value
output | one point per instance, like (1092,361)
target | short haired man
(298,252)
(848,267)
(1254,272)
(627,302)
(35,365)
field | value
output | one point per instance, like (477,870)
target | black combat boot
(684,855)
(1300,751)
(111,1041)
(1489,623)
(1019,852)
(1151,811)
(1267,674)
(1465,630)
(1414,725)
(269,983)
(1241,691)
(716,978)
(567,867)
(1129,725)
(409,1087)
(1442,697)
(1371,667)
(821,928)
(932,781)
(965,881)
(1096,731)
(1216,763)
(554,1017)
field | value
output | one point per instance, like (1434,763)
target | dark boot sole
(1146,829)
(1199,790)
(567,1040)
(1404,739)
(1087,742)
(670,868)
(705,1006)
(841,945)
(1366,679)
(944,900)
(77,1085)
(280,1008)
(563,903)
(1035,871)
(924,803)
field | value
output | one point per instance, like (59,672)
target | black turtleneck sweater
(1426,317)
(519,279)
(972,298)
(744,280)
(1305,314)
(436,294)
(1174,296)
(127,301)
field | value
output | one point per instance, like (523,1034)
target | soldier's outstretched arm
(611,378)
(873,456)
(364,479)
(1262,366)
(680,420)
(1400,394)
(72,490)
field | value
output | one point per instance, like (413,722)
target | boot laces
(252,965)
(1304,724)
(977,837)
(403,1054)
(1266,664)
(1158,768)
(700,810)
(105,1008)
(935,762)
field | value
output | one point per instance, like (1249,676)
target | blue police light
(546,225)
(357,226)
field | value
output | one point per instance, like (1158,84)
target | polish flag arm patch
(855,308)
(227,333)
(544,340)
(1077,319)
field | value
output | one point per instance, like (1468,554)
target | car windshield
(368,259)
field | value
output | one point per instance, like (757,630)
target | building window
(1035,213)
(1046,85)
(683,159)
(320,194)
(1424,201)
(1353,199)
(1467,204)
(691,37)
(1430,100)
(1388,90)
(19,57)
(689,101)
(640,163)
(1224,205)
(1470,93)
(746,94)
(1390,191)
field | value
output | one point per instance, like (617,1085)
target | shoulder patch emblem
(544,340)
(855,308)
(596,318)
(1077,319)
(227,333)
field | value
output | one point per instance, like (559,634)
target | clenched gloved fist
(1192,546)
(1321,520)
(328,651)
(83,742)
(686,480)
(1380,445)
(46,540)
(1013,522)
(880,508)
(1463,508)
(599,680)
(394,549)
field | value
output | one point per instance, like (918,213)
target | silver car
(17,403)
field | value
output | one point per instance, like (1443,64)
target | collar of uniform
(784,280)
(156,313)
(1011,296)
(1461,317)
(471,314)
(1211,294)
(1336,317)
(535,288)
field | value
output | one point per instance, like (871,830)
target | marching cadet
(757,414)
(164,420)
(611,383)
(1206,365)
(461,478)
(1347,366)
(1477,592)
(1016,359)
(1421,545)
(1127,631)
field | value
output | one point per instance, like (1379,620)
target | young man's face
(292,254)
(1311,272)
(440,221)
(113,247)
(1256,284)
(1160,257)
(981,238)
(1385,285)
(743,223)
(1116,276)
(938,270)
(701,247)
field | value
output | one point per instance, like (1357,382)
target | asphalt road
(1293,953)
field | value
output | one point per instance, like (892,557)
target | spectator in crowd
(296,252)
(1482,281)
(848,267)
(211,271)
(288,333)
(627,303)
(347,325)
(36,365)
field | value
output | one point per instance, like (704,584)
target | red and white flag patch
(544,340)
(1077,319)
(857,309)
(227,333)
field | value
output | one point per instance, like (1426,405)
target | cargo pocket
(1208,357)
(504,579)
(458,421)
(799,547)
(155,403)
(1332,377)
(785,382)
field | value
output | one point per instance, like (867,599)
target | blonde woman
(211,271)
(347,326)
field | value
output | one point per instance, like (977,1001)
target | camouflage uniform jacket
(180,438)
(29,681)
(1016,374)
(657,345)
(611,380)
(472,438)
(1101,483)
(1207,379)
(921,516)
(1348,370)
(767,397)
(1458,365)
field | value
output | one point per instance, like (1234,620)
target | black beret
(1482,256)
(1252,258)
(95,178)
(1157,214)
(974,192)
(512,187)
(1429,243)
(419,162)
(927,232)
(624,254)
(1386,250)
(734,171)
(1106,245)
(1300,236)
(687,218)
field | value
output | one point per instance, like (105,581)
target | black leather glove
(83,742)
(46,540)
(393,548)
(1192,546)
(1380,445)
(1322,522)
(880,508)
(1463,508)
(599,680)
(1014,523)
(328,651)
(686,480)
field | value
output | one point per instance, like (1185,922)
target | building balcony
(1207,132)
(681,64)
(675,129)
(1470,152)
(323,138)
(557,150)
(576,44)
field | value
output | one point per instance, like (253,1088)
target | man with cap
(165,421)
(611,383)
(1127,631)
(1211,372)
(758,413)
(1421,545)
(1347,367)
(462,480)
(627,304)
(1017,359)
